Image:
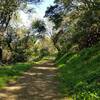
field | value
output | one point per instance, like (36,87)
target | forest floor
(38,83)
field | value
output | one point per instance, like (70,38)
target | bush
(44,52)
(20,55)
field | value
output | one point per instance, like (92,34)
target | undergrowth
(79,74)
(12,72)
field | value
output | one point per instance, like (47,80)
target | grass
(44,59)
(79,74)
(12,72)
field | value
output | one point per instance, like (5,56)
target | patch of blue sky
(38,14)
(40,9)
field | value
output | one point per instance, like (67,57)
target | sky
(39,13)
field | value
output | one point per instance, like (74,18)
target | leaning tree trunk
(56,38)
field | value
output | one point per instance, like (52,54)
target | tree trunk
(0,54)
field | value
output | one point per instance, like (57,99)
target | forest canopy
(8,7)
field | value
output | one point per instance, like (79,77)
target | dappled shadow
(39,83)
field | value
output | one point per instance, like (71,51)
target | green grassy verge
(12,72)
(79,74)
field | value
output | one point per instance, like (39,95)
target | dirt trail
(39,83)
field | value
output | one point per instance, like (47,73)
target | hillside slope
(79,74)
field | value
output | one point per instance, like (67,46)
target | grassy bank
(79,74)
(12,72)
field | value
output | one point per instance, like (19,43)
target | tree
(39,27)
(55,14)
(76,26)
(7,9)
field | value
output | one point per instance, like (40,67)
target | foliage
(89,33)
(55,14)
(39,27)
(44,52)
(12,72)
(79,73)
(17,47)
(76,39)
(10,40)
(7,8)
(76,29)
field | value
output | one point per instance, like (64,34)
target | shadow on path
(39,83)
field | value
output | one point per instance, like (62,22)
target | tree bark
(0,54)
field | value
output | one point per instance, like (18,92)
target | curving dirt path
(39,83)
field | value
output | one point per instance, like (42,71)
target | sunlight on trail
(46,68)
(13,88)
(32,74)
(39,83)
(3,95)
